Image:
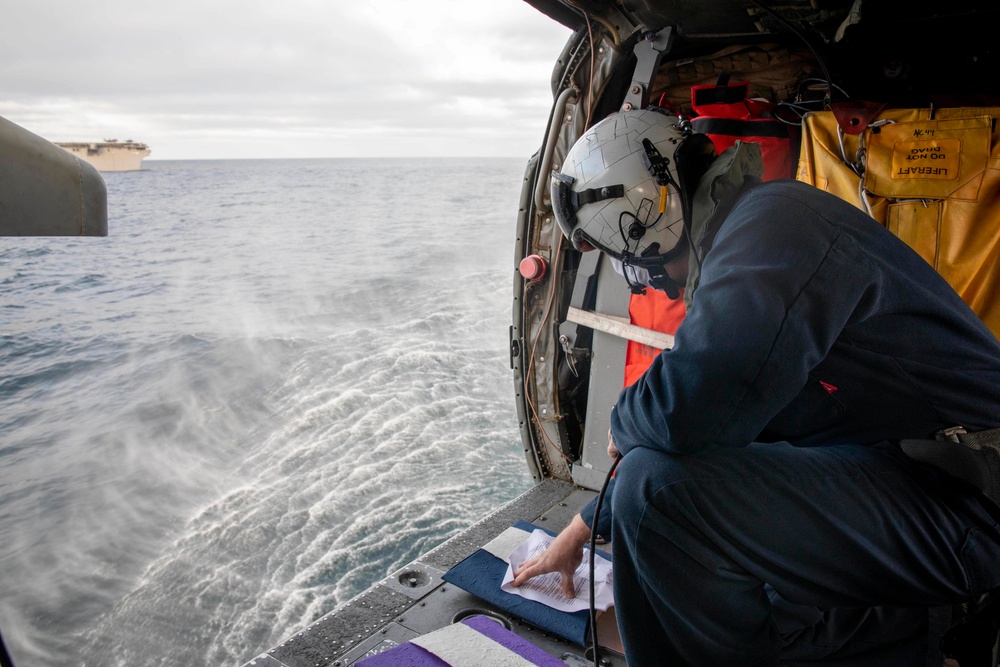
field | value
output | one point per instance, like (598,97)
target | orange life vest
(656,311)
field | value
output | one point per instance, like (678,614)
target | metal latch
(649,53)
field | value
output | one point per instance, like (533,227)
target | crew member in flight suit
(763,510)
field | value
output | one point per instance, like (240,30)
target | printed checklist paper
(547,588)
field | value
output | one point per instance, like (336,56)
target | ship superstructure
(110,154)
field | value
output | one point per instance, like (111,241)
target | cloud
(288,78)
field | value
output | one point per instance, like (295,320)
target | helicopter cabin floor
(415,600)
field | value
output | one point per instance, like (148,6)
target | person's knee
(641,473)
(674,480)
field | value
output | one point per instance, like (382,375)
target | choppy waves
(204,454)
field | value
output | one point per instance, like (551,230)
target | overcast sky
(282,78)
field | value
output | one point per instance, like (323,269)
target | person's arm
(566,556)
(563,555)
(777,289)
(601,524)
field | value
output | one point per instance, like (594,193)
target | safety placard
(936,158)
(930,159)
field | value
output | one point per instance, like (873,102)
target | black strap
(584,197)
(667,285)
(973,458)
(733,127)
(721,94)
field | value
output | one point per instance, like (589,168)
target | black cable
(593,551)
(822,63)
(626,254)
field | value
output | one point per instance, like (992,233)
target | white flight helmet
(619,192)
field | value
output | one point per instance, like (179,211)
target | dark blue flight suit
(763,510)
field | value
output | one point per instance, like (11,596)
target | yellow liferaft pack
(932,177)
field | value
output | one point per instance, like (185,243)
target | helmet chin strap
(666,284)
(655,264)
(658,279)
(652,261)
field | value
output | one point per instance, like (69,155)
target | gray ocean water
(274,383)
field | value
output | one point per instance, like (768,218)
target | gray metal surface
(330,637)
(528,507)
(607,374)
(46,191)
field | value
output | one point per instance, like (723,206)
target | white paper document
(547,588)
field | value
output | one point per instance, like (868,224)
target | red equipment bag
(726,115)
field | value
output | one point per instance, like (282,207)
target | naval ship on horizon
(110,154)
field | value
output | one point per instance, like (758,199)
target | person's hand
(563,555)
(612,450)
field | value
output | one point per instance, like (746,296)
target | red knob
(533,267)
